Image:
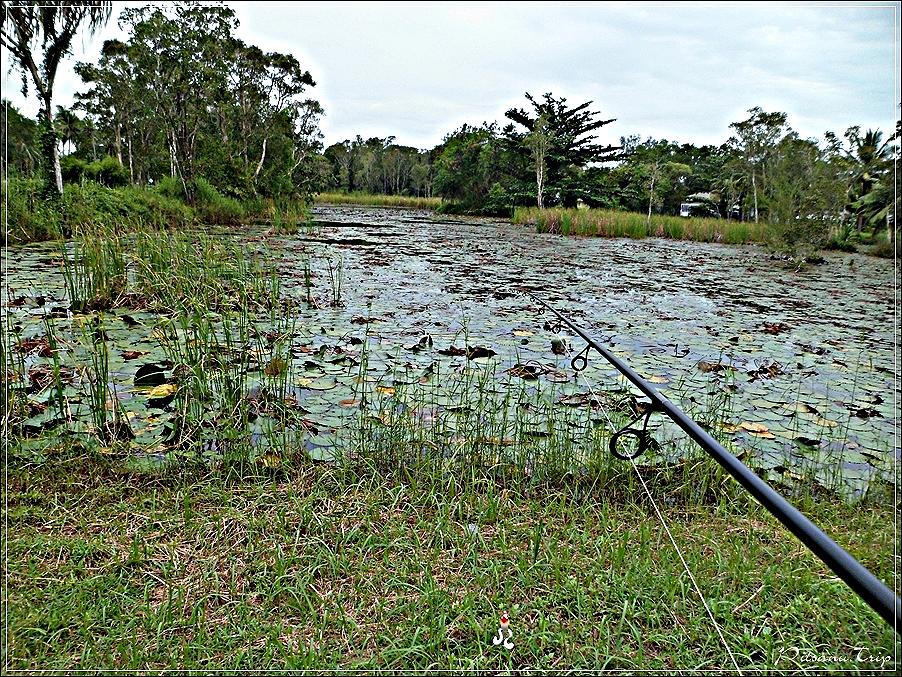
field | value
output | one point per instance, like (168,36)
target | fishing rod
(873,591)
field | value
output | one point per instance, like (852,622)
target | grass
(371,200)
(454,496)
(610,223)
(166,271)
(317,567)
(89,206)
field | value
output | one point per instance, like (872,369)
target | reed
(611,223)
(370,200)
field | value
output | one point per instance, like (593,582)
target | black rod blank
(873,591)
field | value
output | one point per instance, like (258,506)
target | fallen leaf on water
(275,367)
(522,332)
(385,390)
(657,379)
(164,390)
(775,327)
(753,427)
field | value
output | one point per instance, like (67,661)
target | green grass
(106,267)
(403,553)
(318,566)
(610,223)
(371,200)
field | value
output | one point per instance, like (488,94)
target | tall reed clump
(110,424)
(94,268)
(366,199)
(232,394)
(611,223)
(15,399)
(210,369)
(473,425)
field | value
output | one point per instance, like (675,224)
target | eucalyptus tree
(39,35)
(119,107)
(754,142)
(183,97)
(539,141)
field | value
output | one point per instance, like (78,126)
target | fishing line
(669,534)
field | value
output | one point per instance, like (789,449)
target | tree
(662,173)
(571,143)
(67,126)
(183,97)
(469,164)
(755,140)
(869,161)
(539,141)
(39,36)
(17,136)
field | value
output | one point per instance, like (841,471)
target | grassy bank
(610,223)
(89,205)
(370,200)
(316,566)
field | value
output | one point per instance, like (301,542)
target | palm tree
(68,126)
(870,158)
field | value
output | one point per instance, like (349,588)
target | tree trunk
(651,195)
(540,182)
(131,166)
(53,148)
(118,143)
(755,196)
(262,158)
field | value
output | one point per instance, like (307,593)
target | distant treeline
(182,98)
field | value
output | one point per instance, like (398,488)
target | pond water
(807,355)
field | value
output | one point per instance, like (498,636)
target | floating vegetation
(418,348)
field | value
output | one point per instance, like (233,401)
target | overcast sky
(676,71)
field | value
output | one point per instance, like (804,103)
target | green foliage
(469,165)
(29,216)
(378,166)
(260,139)
(18,136)
(213,207)
(569,145)
(107,171)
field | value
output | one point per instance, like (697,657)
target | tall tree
(869,162)
(39,35)
(755,140)
(538,141)
(571,141)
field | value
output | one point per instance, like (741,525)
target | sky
(681,71)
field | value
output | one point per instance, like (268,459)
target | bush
(107,171)
(30,217)
(214,207)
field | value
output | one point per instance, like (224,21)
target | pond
(805,357)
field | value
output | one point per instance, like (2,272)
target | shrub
(214,207)
(29,216)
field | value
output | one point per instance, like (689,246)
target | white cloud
(684,71)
